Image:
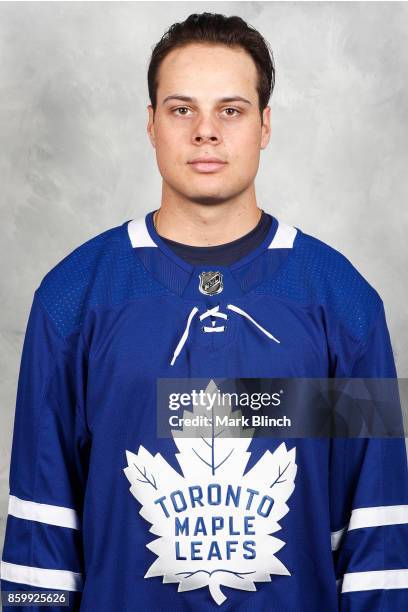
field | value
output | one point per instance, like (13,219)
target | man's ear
(150,125)
(266,127)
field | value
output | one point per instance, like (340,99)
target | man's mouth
(207,166)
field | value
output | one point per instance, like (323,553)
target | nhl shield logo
(210,282)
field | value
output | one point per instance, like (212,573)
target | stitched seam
(67,346)
(38,431)
(364,343)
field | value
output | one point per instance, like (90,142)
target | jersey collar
(176,273)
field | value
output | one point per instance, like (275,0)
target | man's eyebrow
(194,100)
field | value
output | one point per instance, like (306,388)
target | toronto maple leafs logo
(214,524)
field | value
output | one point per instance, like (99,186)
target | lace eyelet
(202,328)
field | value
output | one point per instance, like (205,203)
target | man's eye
(184,108)
(232,109)
(180,108)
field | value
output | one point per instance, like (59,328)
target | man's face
(204,126)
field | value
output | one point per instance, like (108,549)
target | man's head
(210,79)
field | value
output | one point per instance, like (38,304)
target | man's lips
(207,166)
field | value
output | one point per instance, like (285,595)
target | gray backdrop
(75,158)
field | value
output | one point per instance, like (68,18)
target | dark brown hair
(213,28)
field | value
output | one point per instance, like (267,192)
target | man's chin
(209,195)
(208,199)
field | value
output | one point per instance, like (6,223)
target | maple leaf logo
(214,523)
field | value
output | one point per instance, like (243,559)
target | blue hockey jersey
(102,507)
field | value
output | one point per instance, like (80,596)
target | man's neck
(206,225)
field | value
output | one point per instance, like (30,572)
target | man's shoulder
(321,275)
(83,257)
(81,275)
(327,268)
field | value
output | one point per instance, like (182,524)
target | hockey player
(208,285)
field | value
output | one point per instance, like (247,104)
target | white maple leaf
(214,523)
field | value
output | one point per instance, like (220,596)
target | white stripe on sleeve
(38,576)
(43,513)
(376,516)
(381,579)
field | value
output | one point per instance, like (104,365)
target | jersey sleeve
(369,501)
(48,469)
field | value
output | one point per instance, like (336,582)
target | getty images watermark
(281,407)
(211,407)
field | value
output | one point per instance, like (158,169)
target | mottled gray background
(75,158)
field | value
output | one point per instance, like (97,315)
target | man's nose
(206,129)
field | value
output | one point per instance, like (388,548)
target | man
(207,285)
